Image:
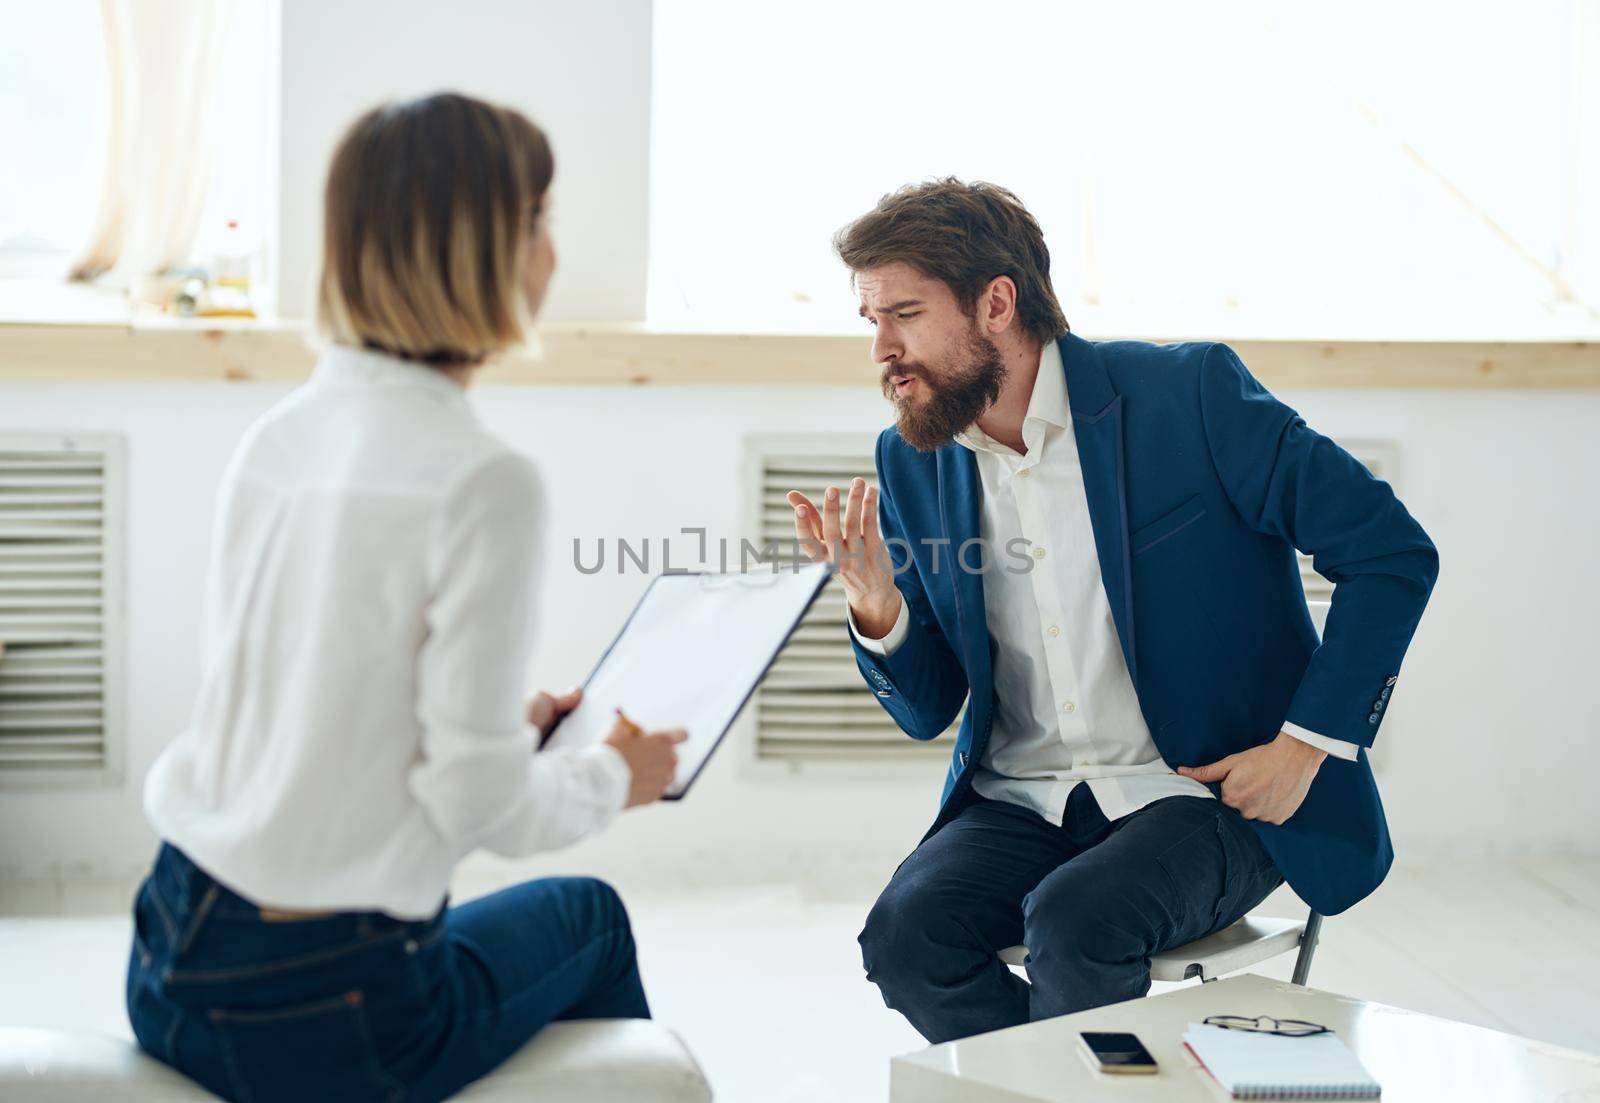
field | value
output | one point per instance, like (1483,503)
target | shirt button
(1023,474)
(1385,694)
(1053,630)
(1377,706)
(1038,553)
(1373,719)
(1069,706)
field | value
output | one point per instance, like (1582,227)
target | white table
(1417,1058)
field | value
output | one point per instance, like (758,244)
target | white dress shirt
(1065,709)
(360,724)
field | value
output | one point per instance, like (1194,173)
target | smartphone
(1119,1052)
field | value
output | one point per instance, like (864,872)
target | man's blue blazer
(1201,485)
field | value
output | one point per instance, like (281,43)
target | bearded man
(1092,545)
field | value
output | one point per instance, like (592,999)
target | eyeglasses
(1266,1024)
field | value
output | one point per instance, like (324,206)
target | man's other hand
(1265,783)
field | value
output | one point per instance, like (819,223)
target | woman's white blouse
(360,725)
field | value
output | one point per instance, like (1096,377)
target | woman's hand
(858,554)
(652,758)
(545,708)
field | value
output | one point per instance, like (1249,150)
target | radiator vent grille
(60,603)
(814,703)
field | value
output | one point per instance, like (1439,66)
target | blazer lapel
(1097,425)
(960,498)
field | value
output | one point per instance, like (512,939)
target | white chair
(599,1061)
(1249,941)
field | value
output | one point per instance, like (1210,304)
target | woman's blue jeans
(360,1005)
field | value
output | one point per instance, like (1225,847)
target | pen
(628,724)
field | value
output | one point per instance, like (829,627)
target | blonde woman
(361,726)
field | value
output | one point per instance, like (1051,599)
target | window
(53,131)
(244,159)
(1359,171)
(56,125)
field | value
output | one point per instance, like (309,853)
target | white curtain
(162,58)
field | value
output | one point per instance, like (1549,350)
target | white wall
(582,71)
(1492,749)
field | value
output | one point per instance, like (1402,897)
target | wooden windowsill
(249,351)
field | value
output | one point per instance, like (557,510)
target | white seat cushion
(1237,947)
(598,1061)
(38,1065)
(603,1060)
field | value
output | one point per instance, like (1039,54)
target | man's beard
(963,390)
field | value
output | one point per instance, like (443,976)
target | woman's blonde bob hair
(426,220)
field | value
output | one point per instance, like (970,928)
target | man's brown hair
(963,235)
(426,221)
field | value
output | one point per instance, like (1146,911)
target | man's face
(940,371)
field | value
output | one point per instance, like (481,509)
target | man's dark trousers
(1091,899)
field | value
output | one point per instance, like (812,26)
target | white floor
(764,982)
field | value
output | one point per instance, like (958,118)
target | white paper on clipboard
(689,656)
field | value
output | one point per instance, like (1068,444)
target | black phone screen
(1118,1050)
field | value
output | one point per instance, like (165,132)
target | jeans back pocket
(311,1051)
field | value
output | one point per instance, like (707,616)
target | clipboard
(689,656)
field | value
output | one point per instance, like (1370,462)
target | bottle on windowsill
(229,293)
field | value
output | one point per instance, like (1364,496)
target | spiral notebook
(1270,1066)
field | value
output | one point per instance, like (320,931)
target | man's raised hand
(858,554)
